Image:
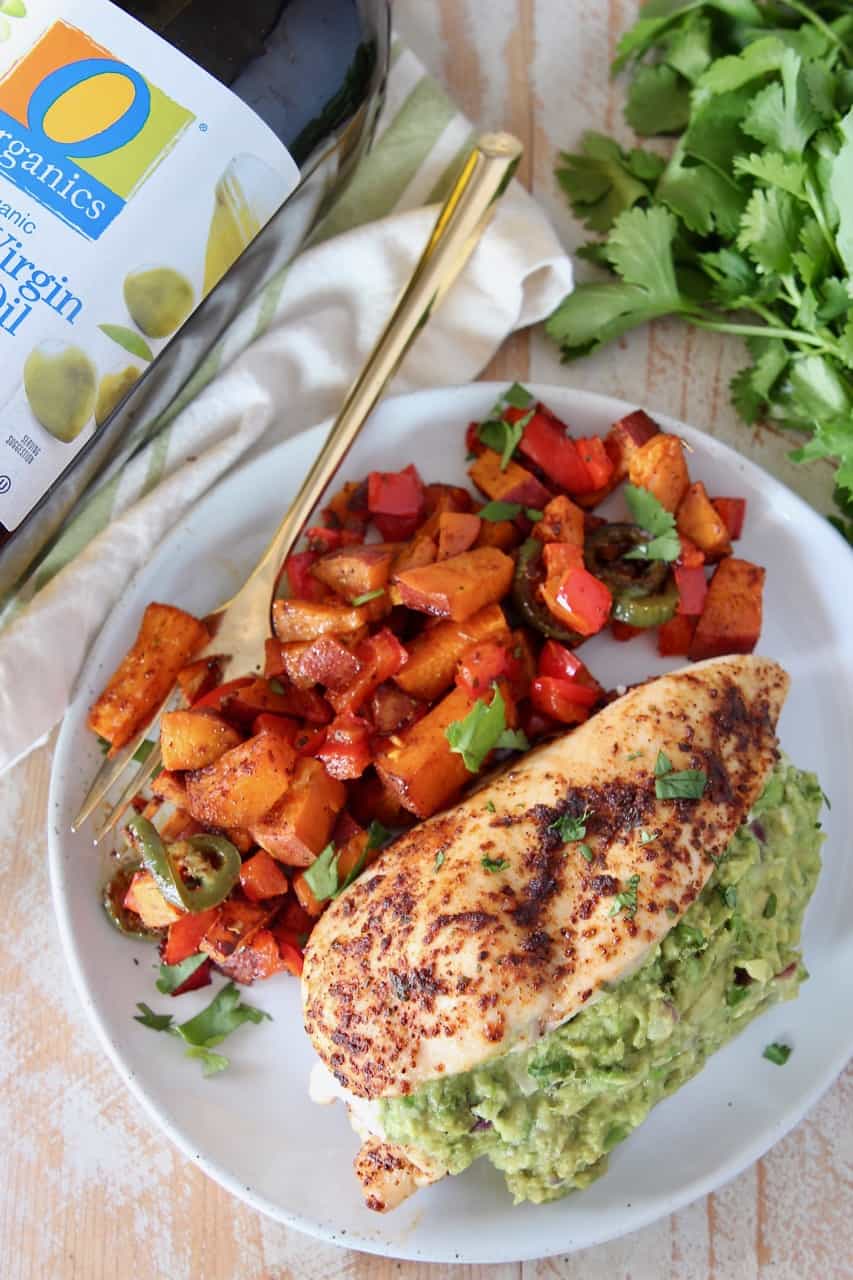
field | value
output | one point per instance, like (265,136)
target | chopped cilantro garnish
(686,784)
(143,751)
(322,876)
(494,511)
(647,837)
(377,835)
(585,851)
(777,1053)
(490,806)
(736,995)
(201,1034)
(652,516)
(368,595)
(500,434)
(663,765)
(493,864)
(570,828)
(173,976)
(728,893)
(439,860)
(482,731)
(627,900)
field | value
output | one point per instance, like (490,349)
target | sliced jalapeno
(193,874)
(152,851)
(648,611)
(604,555)
(525,595)
(205,868)
(112,900)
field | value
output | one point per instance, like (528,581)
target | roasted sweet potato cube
(515,484)
(446,497)
(562,521)
(147,901)
(171,788)
(299,826)
(242,785)
(261,877)
(305,620)
(369,798)
(457,532)
(236,922)
(354,571)
(257,959)
(433,654)
(659,466)
(168,638)
(503,534)
(699,520)
(420,551)
(731,619)
(422,770)
(459,587)
(326,661)
(193,739)
(179,826)
(625,437)
(198,678)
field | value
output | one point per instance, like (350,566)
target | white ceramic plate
(252,1128)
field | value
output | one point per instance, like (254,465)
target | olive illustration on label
(159,300)
(60,383)
(113,388)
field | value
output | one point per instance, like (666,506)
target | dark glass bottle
(314,71)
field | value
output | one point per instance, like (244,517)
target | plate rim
(636,1219)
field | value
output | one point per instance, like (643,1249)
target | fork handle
(463,217)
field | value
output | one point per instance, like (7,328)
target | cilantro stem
(756,330)
(816,206)
(817,21)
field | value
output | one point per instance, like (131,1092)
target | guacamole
(548,1116)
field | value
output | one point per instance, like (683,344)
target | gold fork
(239,623)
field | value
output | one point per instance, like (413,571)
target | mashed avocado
(547,1116)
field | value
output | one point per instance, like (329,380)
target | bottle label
(130,181)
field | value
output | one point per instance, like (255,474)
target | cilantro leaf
(658,100)
(648,837)
(770,230)
(782,115)
(570,828)
(687,784)
(512,740)
(841,187)
(627,900)
(148,1018)
(650,515)
(482,730)
(518,397)
(225,1013)
(493,864)
(378,835)
(173,976)
(585,851)
(602,181)
(439,860)
(663,765)
(640,249)
(211,1062)
(728,893)
(497,510)
(777,1053)
(367,596)
(502,436)
(322,875)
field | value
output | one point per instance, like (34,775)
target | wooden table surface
(89,1189)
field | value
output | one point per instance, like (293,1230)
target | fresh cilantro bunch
(748,227)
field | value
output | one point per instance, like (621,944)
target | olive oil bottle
(159,160)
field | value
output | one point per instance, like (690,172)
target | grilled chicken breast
(484,928)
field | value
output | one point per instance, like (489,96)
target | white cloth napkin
(335,298)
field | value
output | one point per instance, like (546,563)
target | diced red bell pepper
(483,664)
(587,599)
(381,657)
(692,590)
(200,977)
(594,457)
(218,699)
(623,631)
(303,585)
(292,956)
(321,539)
(295,920)
(262,877)
(535,724)
(558,661)
(395,500)
(560,557)
(391,709)
(691,556)
(346,753)
(732,512)
(561,700)
(308,741)
(676,636)
(546,444)
(185,935)
(473,443)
